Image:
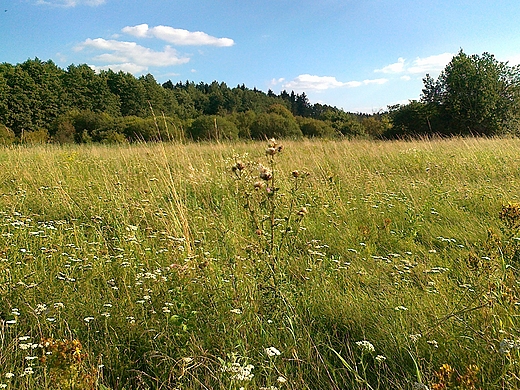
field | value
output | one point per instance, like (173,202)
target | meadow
(301,265)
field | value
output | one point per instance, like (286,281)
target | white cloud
(514,60)
(70,3)
(130,55)
(396,67)
(126,67)
(307,82)
(431,64)
(177,36)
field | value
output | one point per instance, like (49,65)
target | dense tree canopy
(473,95)
(38,100)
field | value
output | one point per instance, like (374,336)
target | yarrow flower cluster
(272,351)
(366,346)
(240,373)
(507,345)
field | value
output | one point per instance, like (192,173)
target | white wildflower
(366,346)
(272,351)
(380,358)
(281,379)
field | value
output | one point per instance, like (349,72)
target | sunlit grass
(141,264)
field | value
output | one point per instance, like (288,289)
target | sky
(360,56)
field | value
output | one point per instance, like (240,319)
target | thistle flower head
(239,166)
(303,211)
(265,173)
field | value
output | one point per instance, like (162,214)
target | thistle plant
(275,216)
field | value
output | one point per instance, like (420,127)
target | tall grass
(143,266)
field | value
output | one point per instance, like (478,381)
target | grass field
(349,265)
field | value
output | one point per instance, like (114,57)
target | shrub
(209,127)
(274,126)
(40,136)
(7,136)
(316,128)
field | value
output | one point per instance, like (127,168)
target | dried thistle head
(510,215)
(239,166)
(265,173)
(273,147)
(259,185)
(302,212)
(270,151)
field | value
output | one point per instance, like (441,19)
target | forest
(40,102)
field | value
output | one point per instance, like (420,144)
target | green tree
(476,95)
(131,93)
(85,90)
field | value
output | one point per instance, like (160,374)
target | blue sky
(357,55)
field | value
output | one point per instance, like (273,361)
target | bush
(40,136)
(275,125)
(209,127)
(7,136)
(316,128)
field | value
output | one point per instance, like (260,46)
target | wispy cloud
(396,67)
(130,56)
(70,3)
(307,82)
(177,36)
(431,64)
(126,67)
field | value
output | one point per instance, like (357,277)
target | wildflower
(259,185)
(272,351)
(40,308)
(281,379)
(400,308)
(239,166)
(506,346)
(240,373)
(433,343)
(265,173)
(236,311)
(380,358)
(302,212)
(88,319)
(31,357)
(366,346)
(9,375)
(270,151)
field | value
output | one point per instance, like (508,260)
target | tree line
(40,102)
